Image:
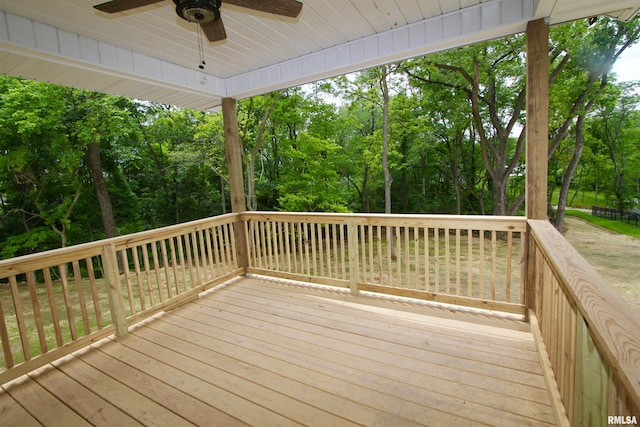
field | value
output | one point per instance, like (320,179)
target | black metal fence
(631,217)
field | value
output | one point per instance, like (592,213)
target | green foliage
(312,182)
(35,240)
(455,143)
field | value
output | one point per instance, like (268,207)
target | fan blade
(214,30)
(289,8)
(115,6)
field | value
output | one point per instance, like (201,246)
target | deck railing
(591,335)
(57,301)
(475,260)
(54,302)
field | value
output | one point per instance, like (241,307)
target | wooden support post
(537,139)
(112,278)
(236,176)
(537,118)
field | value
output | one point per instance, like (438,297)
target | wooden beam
(236,175)
(234,155)
(537,118)
(537,141)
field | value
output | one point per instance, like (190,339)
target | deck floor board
(262,352)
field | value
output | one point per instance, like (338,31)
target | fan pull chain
(200,49)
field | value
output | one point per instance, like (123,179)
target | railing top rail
(27,263)
(476,222)
(614,325)
(148,236)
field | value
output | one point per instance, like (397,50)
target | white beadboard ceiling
(149,53)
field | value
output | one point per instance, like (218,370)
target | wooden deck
(265,353)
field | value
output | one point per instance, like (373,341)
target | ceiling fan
(207,12)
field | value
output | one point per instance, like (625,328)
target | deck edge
(557,404)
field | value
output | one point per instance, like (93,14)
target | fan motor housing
(198,11)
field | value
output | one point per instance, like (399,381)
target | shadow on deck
(265,352)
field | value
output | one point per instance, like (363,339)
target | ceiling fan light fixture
(198,11)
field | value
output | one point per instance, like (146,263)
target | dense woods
(443,133)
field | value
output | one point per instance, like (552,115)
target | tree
(99,121)
(582,55)
(615,127)
(490,76)
(313,182)
(40,165)
(254,116)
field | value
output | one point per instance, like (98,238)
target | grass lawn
(584,199)
(617,226)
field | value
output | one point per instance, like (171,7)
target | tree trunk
(385,139)
(252,201)
(364,198)
(500,194)
(385,153)
(568,173)
(223,196)
(102,193)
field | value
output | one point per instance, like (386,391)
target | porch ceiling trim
(145,55)
(473,24)
(55,54)
(119,70)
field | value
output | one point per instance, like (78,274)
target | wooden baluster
(352,236)
(62,268)
(447,262)
(362,230)
(389,242)
(183,265)
(436,256)
(22,325)
(136,269)
(328,237)
(406,260)
(156,267)
(4,339)
(469,262)
(398,253)
(37,314)
(343,261)
(458,262)
(147,271)
(82,302)
(53,307)
(165,264)
(287,244)
(427,260)
(234,249)
(196,257)
(494,259)
(336,255)
(125,267)
(482,261)
(416,257)
(509,266)
(174,264)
